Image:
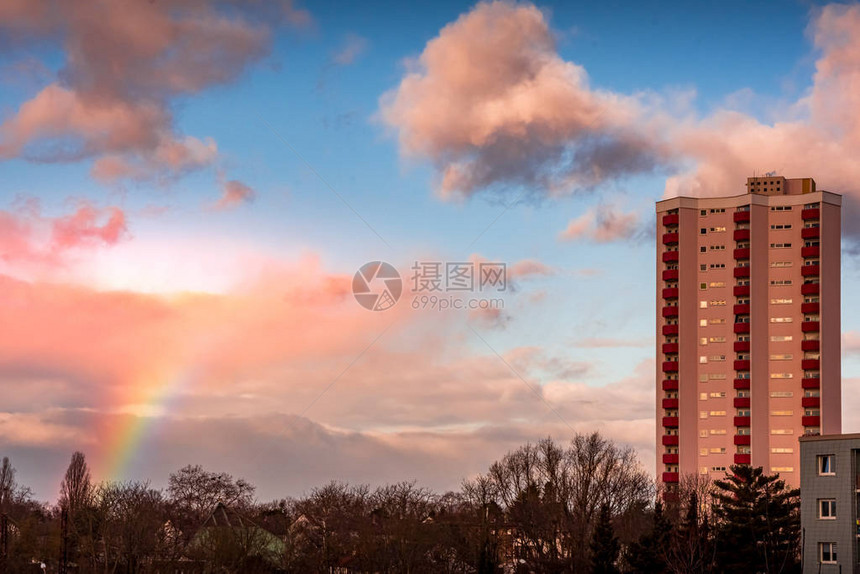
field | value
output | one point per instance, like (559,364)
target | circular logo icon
(377,286)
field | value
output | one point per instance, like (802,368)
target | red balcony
(743,365)
(670,347)
(810,326)
(670,477)
(742,458)
(670,459)
(670,219)
(811,421)
(742,439)
(740,290)
(670,311)
(742,309)
(741,216)
(670,384)
(670,422)
(670,275)
(810,233)
(810,345)
(741,234)
(670,238)
(810,288)
(742,421)
(670,403)
(810,364)
(810,270)
(810,383)
(670,329)
(742,327)
(742,253)
(742,271)
(670,293)
(670,256)
(741,346)
(742,383)
(741,402)
(813,213)
(810,307)
(670,440)
(810,402)
(670,366)
(811,251)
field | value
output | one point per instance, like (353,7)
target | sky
(189,188)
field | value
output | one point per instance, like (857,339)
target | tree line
(586,507)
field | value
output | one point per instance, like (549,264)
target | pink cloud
(29,238)
(233,194)
(490,102)
(124,65)
(602,224)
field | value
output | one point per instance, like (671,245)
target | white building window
(827,508)
(826,464)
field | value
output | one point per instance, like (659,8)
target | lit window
(718,451)
(782,357)
(782,469)
(779,450)
(780,301)
(781,375)
(703,322)
(703,341)
(781,338)
(781,431)
(782,413)
(827,509)
(781,319)
(703,396)
(826,464)
(717,431)
(718,413)
(703,359)
(703,304)
(781,394)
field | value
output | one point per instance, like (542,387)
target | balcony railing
(810,288)
(670,459)
(741,346)
(742,253)
(670,219)
(811,420)
(670,440)
(741,402)
(670,403)
(670,348)
(742,327)
(810,326)
(670,329)
(670,256)
(670,422)
(810,383)
(742,309)
(742,272)
(741,216)
(810,232)
(741,290)
(670,311)
(810,345)
(742,458)
(742,439)
(742,421)
(670,275)
(670,384)
(742,384)
(670,293)
(670,366)
(813,213)
(810,364)
(671,477)
(811,251)
(810,270)
(810,402)
(810,307)
(670,238)
(742,365)
(741,234)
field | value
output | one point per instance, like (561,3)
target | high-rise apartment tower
(748,327)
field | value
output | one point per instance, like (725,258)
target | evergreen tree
(604,544)
(648,554)
(757,522)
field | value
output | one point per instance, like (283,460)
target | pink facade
(748,327)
